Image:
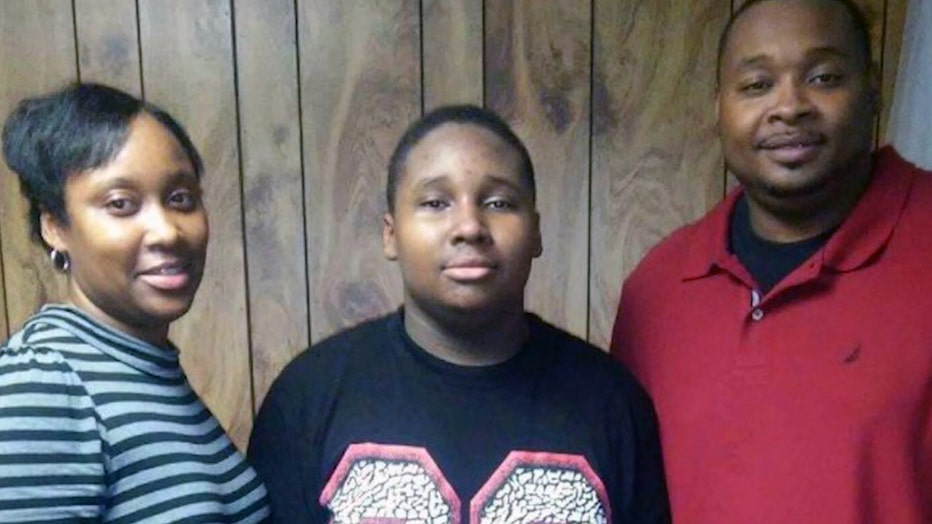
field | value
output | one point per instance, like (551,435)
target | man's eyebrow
(752,62)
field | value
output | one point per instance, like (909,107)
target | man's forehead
(778,24)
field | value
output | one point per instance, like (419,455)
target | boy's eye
(433,203)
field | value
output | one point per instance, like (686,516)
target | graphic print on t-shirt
(389,484)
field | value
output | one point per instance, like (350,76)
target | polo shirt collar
(863,234)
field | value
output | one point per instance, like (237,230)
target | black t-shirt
(367,424)
(768,262)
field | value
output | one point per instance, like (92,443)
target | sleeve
(52,466)
(650,503)
(280,454)
(626,338)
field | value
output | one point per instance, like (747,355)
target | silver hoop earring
(60,260)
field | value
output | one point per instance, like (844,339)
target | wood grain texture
(656,162)
(108,43)
(894,26)
(360,88)
(190,73)
(452,52)
(537,67)
(270,137)
(37,55)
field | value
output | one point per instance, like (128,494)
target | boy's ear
(388,237)
(52,232)
(538,238)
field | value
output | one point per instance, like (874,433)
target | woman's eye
(184,200)
(120,206)
(499,204)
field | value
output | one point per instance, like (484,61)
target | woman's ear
(53,232)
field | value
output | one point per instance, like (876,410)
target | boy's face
(465,227)
(795,103)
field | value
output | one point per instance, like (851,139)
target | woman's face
(136,234)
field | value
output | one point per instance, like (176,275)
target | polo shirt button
(757,314)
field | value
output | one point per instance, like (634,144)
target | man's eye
(755,87)
(826,79)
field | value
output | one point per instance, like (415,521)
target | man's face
(795,104)
(465,228)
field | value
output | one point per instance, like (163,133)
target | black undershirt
(768,262)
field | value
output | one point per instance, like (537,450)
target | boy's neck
(468,342)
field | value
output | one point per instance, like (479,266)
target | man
(785,337)
(459,407)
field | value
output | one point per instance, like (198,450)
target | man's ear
(53,231)
(389,249)
(538,237)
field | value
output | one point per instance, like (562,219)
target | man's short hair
(855,14)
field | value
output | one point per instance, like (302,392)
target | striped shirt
(97,426)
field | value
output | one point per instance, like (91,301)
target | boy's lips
(469,269)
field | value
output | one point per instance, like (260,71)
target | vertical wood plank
(894,26)
(187,61)
(270,135)
(452,52)
(108,43)
(37,55)
(4,329)
(360,88)
(655,153)
(538,58)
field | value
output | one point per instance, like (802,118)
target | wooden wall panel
(108,46)
(187,60)
(452,51)
(4,329)
(360,88)
(270,134)
(37,55)
(894,25)
(656,163)
(537,69)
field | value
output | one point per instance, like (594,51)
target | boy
(459,407)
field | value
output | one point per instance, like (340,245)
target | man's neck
(800,221)
(485,342)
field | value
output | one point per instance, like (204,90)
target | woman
(97,420)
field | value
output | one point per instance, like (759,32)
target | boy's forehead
(778,24)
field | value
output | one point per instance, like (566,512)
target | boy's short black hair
(454,114)
(855,14)
(83,126)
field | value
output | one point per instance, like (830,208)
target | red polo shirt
(812,403)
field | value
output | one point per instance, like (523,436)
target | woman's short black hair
(453,114)
(83,126)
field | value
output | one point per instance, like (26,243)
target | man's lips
(792,148)
(168,276)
